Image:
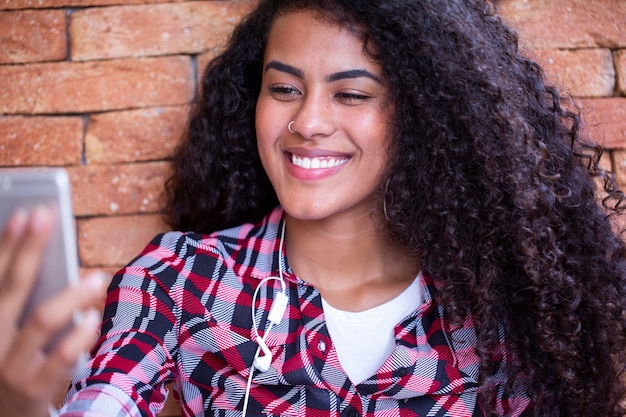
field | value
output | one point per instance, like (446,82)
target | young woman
(383,211)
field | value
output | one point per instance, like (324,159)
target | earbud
(279,305)
(277,311)
(262,363)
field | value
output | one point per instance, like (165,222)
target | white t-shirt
(364,340)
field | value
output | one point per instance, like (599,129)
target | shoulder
(246,246)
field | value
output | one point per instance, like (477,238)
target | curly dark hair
(490,181)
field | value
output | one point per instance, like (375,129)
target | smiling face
(317,75)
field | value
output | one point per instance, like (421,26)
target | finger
(57,313)
(51,317)
(27,239)
(63,358)
(11,234)
(67,353)
(22,270)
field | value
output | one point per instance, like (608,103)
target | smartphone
(26,188)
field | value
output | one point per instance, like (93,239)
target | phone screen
(26,188)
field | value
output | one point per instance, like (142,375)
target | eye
(283,91)
(352,98)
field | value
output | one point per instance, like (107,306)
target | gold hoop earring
(385,199)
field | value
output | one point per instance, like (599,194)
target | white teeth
(316,163)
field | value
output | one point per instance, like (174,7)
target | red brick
(147,30)
(619,166)
(606,161)
(117,189)
(41,140)
(567,23)
(580,72)
(114,241)
(620,66)
(606,119)
(32,36)
(134,135)
(68,87)
(44,4)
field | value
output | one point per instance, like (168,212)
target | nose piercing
(289,127)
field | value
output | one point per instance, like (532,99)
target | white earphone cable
(52,412)
(274,316)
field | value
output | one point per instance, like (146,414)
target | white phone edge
(25,188)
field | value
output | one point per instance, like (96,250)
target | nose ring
(289,126)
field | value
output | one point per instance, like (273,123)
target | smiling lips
(317,162)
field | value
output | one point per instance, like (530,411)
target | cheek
(378,140)
(267,136)
(259,119)
(263,126)
(268,122)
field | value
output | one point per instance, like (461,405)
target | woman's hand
(29,376)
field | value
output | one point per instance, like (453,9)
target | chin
(306,211)
(305,215)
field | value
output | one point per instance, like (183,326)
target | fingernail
(91,319)
(40,218)
(94,282)
(17,222)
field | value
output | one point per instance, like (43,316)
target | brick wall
(102,87)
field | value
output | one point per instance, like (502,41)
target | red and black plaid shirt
(181,312)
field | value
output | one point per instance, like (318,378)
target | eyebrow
(354,73)
(279,66)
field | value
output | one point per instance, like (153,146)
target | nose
(314,117)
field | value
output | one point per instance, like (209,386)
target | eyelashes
(289,93)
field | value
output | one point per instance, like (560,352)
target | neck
(352,262)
